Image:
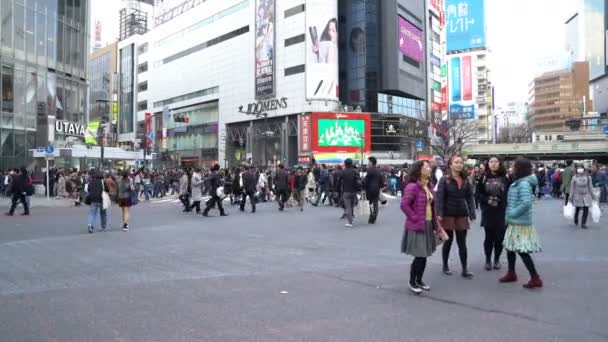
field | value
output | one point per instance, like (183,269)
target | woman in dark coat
(454,207)
(492,189)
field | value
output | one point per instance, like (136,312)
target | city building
(468,68)
(511,123)
(103,88)
(43,72)
(437,80)
(586,32)
(558,96)
(191,91)
(383,70)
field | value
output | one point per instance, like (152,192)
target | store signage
(305,132)
(70,128)
(436,4)
(435,61)
(436,107)
(303,159)
(390,130)
(260,107)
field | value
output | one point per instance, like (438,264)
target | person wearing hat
(350,185)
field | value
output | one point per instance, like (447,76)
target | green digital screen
(340,133)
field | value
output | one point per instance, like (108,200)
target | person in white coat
(197,190)
(263,186)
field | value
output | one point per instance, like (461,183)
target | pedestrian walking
(185,190)
(214,182)
(299,191)
(281,185)
(18,187)
(454,206)
(249,187)
(127,193)
(374,183)
(94,198)
(566,177)
(521,236)
(492,190)
(197,190)
(419,235)
(581,195)
(350,181)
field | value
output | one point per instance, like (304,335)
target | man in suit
(249,185)
(281,184)
(350,184)
(214,182)
(374,183)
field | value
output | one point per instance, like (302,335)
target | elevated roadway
(542,151)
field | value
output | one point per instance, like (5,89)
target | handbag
(105,198)
(441,236)
(133,197)
(596,213)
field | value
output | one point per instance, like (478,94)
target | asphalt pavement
(283,276)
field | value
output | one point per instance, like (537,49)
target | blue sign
(150,135)
(40,149)
(420,144)
(465,25)
(460,112)
(49,149)
(606,130)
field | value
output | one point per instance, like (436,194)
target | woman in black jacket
(454,207)
(492,190)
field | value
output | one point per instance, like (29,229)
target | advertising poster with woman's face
(321,49)
(264,49)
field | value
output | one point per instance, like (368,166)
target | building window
(143,48)
(390,104)
(143,67)
(294,40)
(298,69)
(142,105)
(143,86)
(186,97)
(206,44)
(295,10)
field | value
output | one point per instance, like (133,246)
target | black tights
(417,270)
(493,241)
(526,258)
(585,214)
(461,240)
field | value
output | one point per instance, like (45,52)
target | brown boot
(510,277)
(535,282)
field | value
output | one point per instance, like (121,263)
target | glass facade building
(43,73)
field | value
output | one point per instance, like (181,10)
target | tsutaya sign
(70,128)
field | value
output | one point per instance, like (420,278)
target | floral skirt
(522,239)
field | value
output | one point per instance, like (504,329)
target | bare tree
(452,139)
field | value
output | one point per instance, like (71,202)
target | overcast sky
(520,32)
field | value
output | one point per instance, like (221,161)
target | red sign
(436,107)
(424,157)
(343,121)
(442,18)
(444,98)
(305,133)
(303,159)
(436,4)
(148,127)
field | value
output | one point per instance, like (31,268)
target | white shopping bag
(569,211)
(596,213)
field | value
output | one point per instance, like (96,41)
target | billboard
(410,40)
(322,50)
(354,27)
(465,25)
(264,49)
(460,85)
(341,132)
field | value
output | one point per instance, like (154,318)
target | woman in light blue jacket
(521,237)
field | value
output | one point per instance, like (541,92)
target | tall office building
(558,96)
(586,40)
(43,58)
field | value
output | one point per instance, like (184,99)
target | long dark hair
(415,171)
(463,173)
(325,35)
(502,170)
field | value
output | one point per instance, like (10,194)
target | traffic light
(181,118)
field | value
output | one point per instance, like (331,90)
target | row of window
(390,104)
(206,44)
(186,97)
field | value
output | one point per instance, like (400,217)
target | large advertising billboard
(465,25)
(264,49)
(322,50)
(355,31)
(460,87)
(341,132)
(411,40)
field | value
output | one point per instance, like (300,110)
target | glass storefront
(42,73)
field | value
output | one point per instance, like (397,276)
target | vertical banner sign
(467,79)
(322,50)
(264,49)
(149,129)
(305,132)
(461,104)
(465,25)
